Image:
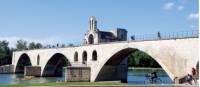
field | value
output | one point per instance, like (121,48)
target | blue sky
(66,21)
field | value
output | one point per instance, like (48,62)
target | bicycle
(149,80)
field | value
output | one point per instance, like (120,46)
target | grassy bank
(88,84)
(68,83)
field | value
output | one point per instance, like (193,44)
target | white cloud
(180,8)
(193,16)
(168,5)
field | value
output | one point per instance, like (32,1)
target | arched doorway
(84,57)
(23,61)
(116,67)
(94,55)
(91,39)
(54,67)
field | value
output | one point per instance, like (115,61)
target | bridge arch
(110,68)
(24,60)
(54,66)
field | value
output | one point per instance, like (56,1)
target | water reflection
(18,78)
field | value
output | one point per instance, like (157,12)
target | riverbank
(94,84)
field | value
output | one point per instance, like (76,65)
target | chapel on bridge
(95,36)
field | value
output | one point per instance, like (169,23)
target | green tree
(70,45)
(63,45)
(141,59)
(21,45)
(32,45)
(5,53)
(4,49)
(38,45)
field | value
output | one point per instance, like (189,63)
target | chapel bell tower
(92,35)
(93,23)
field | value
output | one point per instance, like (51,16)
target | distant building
(95,36)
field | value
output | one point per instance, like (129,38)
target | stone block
(6,69)
(75,74)
(32,71)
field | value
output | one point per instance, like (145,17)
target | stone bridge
(176,56)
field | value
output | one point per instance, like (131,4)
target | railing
(163,36)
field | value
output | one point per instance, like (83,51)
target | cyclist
(153,76)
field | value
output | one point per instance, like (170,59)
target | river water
(135,76)
(138,76)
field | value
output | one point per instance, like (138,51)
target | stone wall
(73,74)
(32,71)
(6,69)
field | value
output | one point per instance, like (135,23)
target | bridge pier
(32,71)
(6,69)
(114,72)
(77,74)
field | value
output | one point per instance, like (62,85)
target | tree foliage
(141,59)
(5,53)
(21,45)
(4,49)
(34,45)
(38,46)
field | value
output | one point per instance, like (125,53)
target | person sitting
(189,79)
